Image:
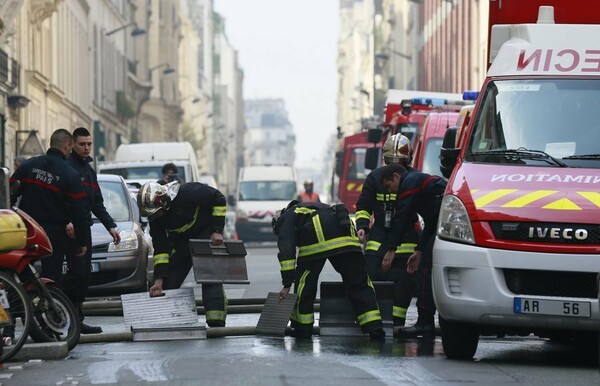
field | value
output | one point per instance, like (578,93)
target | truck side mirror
(372,158)
(448,152)
(339,163)
(374,135)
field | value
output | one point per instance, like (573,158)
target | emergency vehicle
(518,243)
(426,150)
(359,153)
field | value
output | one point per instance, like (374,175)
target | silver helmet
(397,149)
(153,198)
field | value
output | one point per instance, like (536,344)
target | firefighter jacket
(418,193)
(374,200)
(305,197)
(315,229)
(93,194)
(51,192)
(197,209)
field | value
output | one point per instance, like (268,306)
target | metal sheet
(219,264)
(337,317)
(172,316)
(275,315)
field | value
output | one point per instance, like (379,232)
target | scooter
(48,315)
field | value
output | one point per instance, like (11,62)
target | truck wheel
(459,339)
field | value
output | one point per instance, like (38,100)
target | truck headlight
(129,242)
(454,222)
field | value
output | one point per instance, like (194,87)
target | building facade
(270,139)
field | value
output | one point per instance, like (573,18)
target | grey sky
(288,50)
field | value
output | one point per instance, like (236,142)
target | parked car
(122,268)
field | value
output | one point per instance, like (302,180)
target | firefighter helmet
(308,182)
(397,150)
(153,198)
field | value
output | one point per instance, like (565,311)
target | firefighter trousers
(404,282)
(213,295)
(425,304)
(356,283)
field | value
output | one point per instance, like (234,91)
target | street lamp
(136,30)
(384,56)
(168,70)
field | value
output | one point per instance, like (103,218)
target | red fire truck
(518,244)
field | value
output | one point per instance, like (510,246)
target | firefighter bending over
(322,232)
(177,213)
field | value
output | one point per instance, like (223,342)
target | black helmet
(277,216)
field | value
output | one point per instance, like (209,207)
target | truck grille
(552,283)
(554,233)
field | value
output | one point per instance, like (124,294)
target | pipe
(117,310)
(211,332)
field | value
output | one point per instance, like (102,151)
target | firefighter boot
(425,329)
(377,334)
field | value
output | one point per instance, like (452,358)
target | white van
(138,163)
(261,191)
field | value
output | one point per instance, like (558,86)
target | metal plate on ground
(275,315)
(336,314)
(224,264)
(169,317)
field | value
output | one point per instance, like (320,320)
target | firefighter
(308,195)
(177,213)
(417,193)
(51,192)
(322,232)
(77,279)
(376,202)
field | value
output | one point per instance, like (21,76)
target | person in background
(177,213)
(308,195)
(77,278)
(322,232)
(18,161)
(169,172)
(374,212)
(51,192)
(417,193)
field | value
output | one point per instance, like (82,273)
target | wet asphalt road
(252,360)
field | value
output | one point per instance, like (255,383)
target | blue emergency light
(470,95)
(429,101)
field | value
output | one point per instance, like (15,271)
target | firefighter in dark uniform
(77,279)
(177,213)
(375,201)
(322,233)
(52,194)
(417,193)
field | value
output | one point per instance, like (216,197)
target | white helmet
(153,198)
(397,150)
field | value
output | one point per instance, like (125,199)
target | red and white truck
(518,243)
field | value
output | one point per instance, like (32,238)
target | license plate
(265,229)
(95,268)
(553,307)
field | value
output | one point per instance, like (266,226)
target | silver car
(122,268)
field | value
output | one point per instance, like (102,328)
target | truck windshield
(267,190)
(558,117)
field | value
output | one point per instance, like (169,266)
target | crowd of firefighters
(385,244)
